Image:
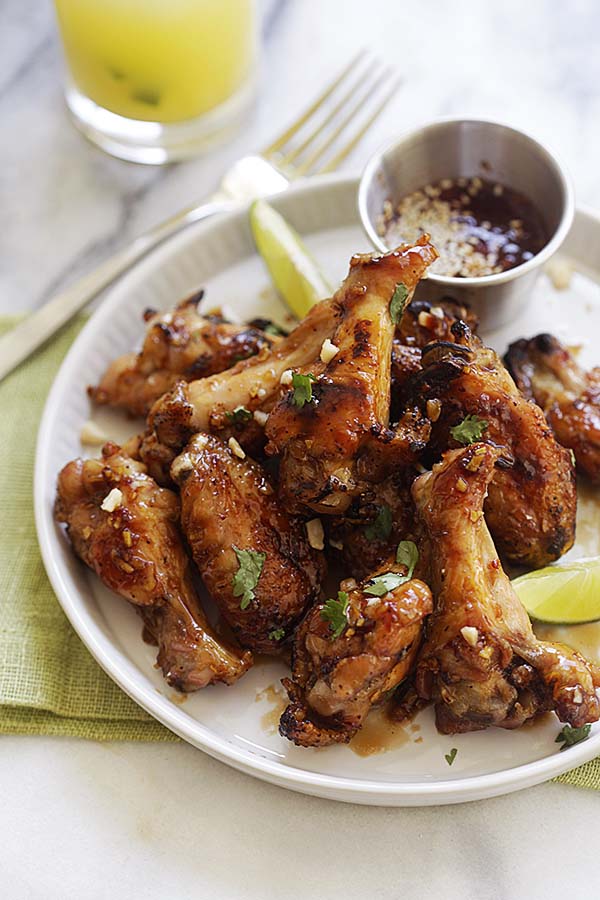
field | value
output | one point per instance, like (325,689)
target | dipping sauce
(479,227)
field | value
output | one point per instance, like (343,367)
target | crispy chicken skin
(545,371)
(339,439)
(179,345)
(481,663)
(336,680)
(137,551)
(532,498)
(227,502)
(374,524)
(202,405)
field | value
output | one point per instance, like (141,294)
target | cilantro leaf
(572,736)
(244,581)
(239,415)
(398,302)
(450,757)
(407,555)
(469,430)
(272,328)
(302,385)
(334,612)
(381,526)
(379,586)
(276,634)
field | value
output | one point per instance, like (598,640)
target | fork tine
(322,148)
(283,138)
(341,155)
(297,151)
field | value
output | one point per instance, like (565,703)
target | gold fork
(349,105)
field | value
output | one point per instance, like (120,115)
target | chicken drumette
(347,658)
(180,345)
(532,498)
(125,528)
(481,663)
(547,372)
(333,436)
(254,558)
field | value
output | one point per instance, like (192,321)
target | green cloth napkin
(49,683)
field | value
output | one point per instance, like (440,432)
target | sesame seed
(470,634)
(286,377)
(260,417)
(328,351)
(235,448)
(315,533)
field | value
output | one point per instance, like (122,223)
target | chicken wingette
(255,559)
(532,498)
(126,528)
(546,371)
(350,652)
(481,663)
(179,345)
(331,425)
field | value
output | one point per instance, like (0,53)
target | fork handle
(28,335)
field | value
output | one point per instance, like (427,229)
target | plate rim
(117,666)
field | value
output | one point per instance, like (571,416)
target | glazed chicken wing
(336,436)
(179,345)
(242,538)
(547,372)
(341,669)
(125,528)
(481,663)
(203,405)
(532,498)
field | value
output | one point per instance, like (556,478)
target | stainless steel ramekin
(451,148)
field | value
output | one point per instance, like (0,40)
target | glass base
(151,142)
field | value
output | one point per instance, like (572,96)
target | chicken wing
(481,663)
(179,345)
(336,432)
(251,384)
(532,498)
(342,668)
(545,371)
(125,528)
(254,558)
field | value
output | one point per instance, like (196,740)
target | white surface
(78,819)
(227,722)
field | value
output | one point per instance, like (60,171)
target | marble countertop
(83,819)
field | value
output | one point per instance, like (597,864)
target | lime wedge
(567,594)
(294,272)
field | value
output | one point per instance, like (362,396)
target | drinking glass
(154,81)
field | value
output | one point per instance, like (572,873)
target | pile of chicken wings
(380,440)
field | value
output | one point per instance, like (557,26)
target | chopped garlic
(260,417)
(560,272)
(286,377)
(470,634)
(316,535)
(328,351)
(337,545)
(235,448)
(112,500)
(92,434)
(181,466)
(577,695)
(461,485)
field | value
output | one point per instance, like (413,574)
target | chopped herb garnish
(569,736)
(276,634)
(398,302)
(407,555)
(381,526)
(379,586)
(239,415)
(302,385)
(469,430)
(450,757)
(334,612)
(272,328)
(251,563)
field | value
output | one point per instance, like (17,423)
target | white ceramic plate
(237,724)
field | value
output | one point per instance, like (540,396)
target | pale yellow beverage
(158,60)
